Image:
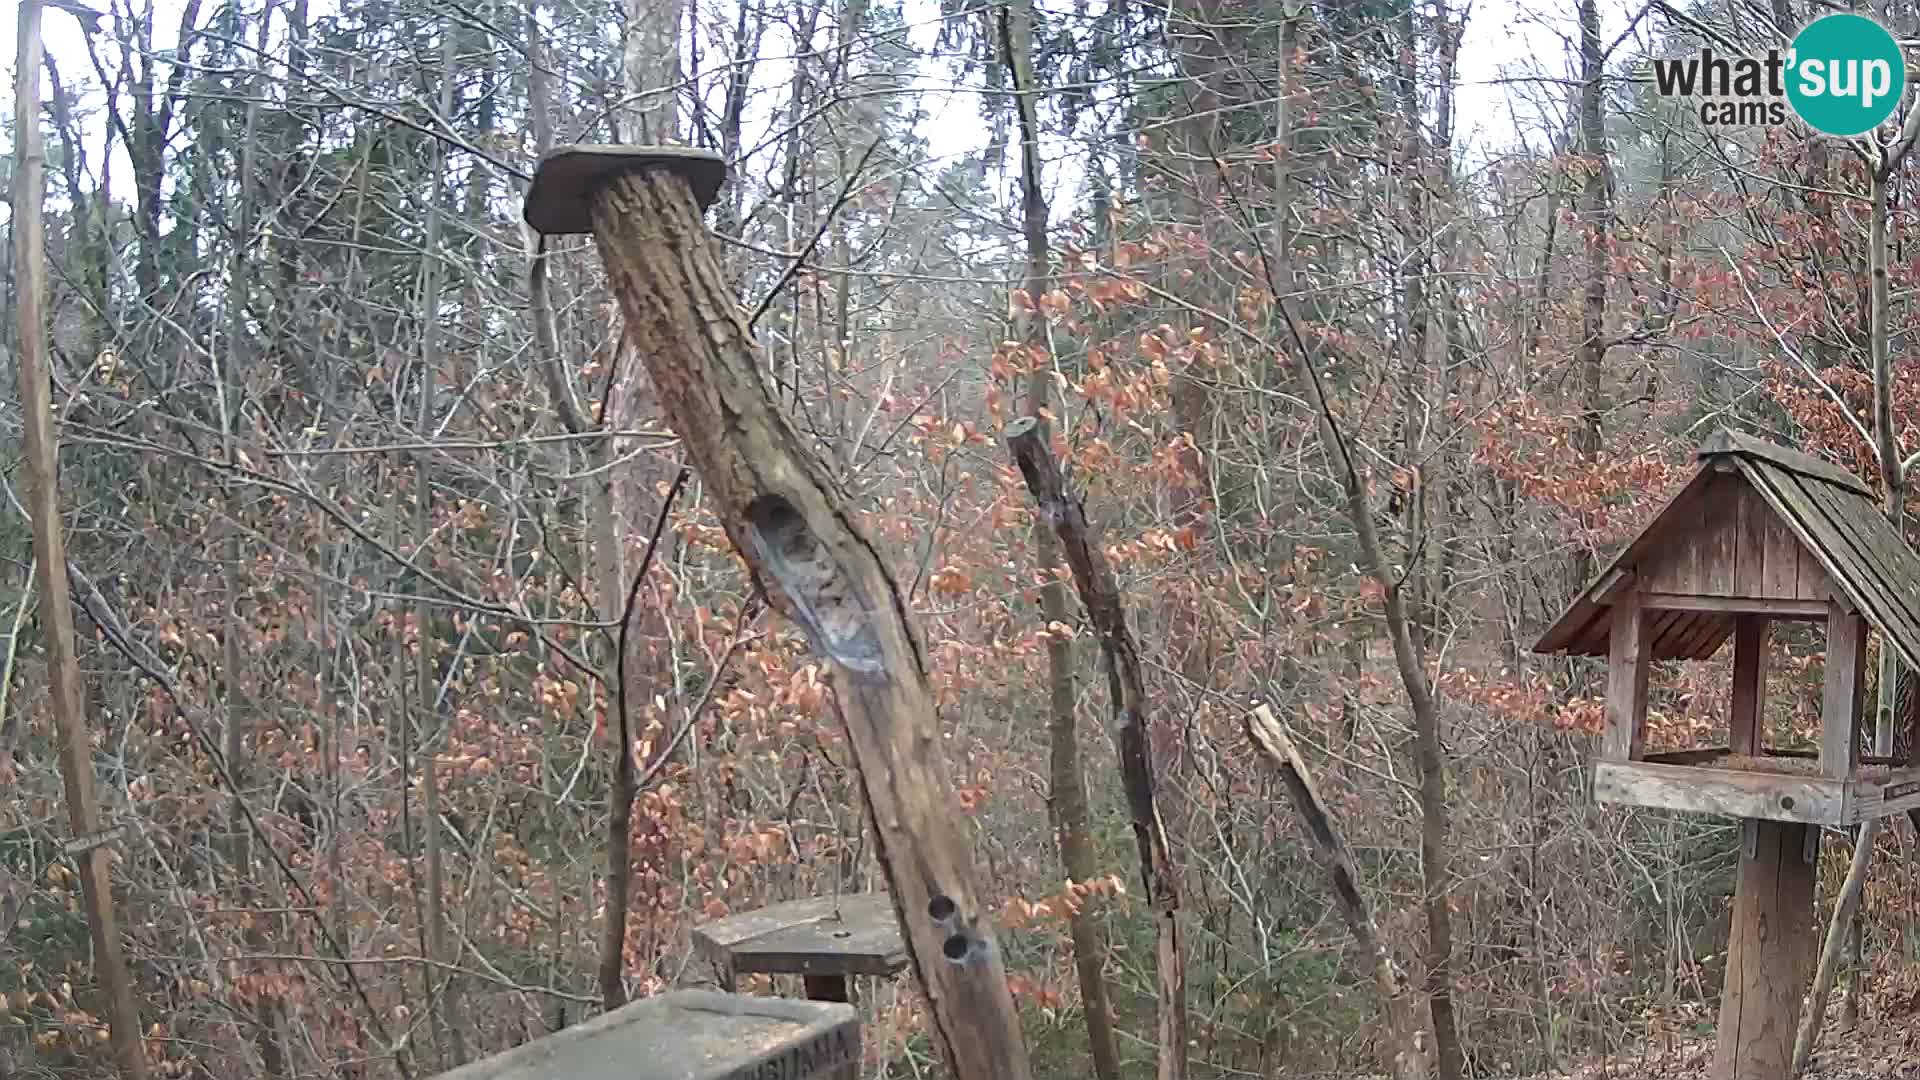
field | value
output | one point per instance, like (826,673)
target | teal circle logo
(1847,74)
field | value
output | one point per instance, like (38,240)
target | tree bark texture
(1126,688)
(50,546)
(792,525)
(1407,1059)
(1067,793)
(1597,202)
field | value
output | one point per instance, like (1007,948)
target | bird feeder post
(790,523)
(1759,534)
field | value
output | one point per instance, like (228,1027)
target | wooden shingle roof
(1831,515)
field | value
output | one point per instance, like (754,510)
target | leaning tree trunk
(794,527)
(1429,753)
(1067,797)
(1407,1058)
(1127,696)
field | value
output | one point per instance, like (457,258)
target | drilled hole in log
(957,947)
(820,595)
(940,909)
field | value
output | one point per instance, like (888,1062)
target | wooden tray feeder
(688,1035)
(825,940)
(1759,534)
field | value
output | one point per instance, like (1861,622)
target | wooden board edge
(1705,790)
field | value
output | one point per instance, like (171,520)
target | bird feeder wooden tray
(688,1035)
(1775,786)
(1759,534)
(821,938)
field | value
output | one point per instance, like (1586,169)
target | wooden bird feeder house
(1759,534)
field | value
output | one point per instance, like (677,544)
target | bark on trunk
(1597,200)
(1067,798)
(793,527)
(1126,689)
(50,547)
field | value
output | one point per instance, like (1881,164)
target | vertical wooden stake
(1745,733)
(1769,955)
(1627,670)
(1841,694)
(50,547)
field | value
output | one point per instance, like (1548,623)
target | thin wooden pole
(50,547)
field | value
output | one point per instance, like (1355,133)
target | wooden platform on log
(687,1035)
(1771,787)
(854,934)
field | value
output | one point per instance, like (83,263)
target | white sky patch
(1513,64)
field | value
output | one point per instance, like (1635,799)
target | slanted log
(805,551)
(1126,690)
(1406,1057)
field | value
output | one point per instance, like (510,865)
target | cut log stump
(792,525)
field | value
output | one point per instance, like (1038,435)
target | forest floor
(1885,1045)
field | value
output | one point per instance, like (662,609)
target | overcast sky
(1506,40)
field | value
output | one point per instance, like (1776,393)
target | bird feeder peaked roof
(1843,546)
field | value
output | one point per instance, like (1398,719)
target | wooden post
(791,524)
(1627,669)
(1745,735)
(835,988)
(1769,954)
(1127,697)
(67,696)
(1841,693)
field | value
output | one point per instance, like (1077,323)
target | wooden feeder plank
(1769,795)
(1748,715)
(560,200)
(1751,544)
(1855,579)
(856,934)
(687,1035)
(1895,792)
(1734,442)
(1841,693)
(1880,549)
